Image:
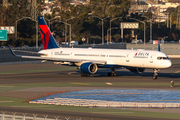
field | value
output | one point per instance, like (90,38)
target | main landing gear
(155,73)
(84,75)
(112,73)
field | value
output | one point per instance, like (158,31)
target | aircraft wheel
(83,74)
(114,74)
(154,77)
(87,75)
(109,73)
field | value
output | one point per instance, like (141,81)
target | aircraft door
(127,58)
(151,59)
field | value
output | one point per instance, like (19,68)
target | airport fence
(24,116)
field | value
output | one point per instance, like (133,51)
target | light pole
(36,28)
(170,21)
(110,26)
(150,27)
(110,31)
(102,26)
(66,28)
(144,28)
(69,30)
(49,21)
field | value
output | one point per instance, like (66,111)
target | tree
(148,14)
(86,35)
(117,37)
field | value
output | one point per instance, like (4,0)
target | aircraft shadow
(102,73)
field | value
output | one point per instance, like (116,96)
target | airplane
(88,60)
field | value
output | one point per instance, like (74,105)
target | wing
(44,57)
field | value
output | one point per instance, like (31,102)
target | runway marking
(109,83)
(79,83)
(71,73)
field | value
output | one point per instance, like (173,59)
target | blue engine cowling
(137,70)
(88,68)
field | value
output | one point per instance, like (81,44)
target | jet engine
(137,70)
(89,68)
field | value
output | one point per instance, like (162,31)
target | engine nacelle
(89,68)
(137,70)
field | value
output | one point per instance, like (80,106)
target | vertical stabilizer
(47,38)
(159,47)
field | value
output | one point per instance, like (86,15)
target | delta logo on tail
(47,38)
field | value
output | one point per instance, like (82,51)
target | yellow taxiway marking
(79,83)
(177,72)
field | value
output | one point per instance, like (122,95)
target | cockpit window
(162,58)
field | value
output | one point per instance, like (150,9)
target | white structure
(46,11)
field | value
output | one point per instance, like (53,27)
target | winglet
(11,51)
(159,47)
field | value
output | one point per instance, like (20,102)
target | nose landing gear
(155,73)
(112,73)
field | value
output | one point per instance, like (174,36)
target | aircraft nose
(168,64)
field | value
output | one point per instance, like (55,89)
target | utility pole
(167,20)
(34,17)
(5,3)
(34,10)
(178,18)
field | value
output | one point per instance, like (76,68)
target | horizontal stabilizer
(29,52)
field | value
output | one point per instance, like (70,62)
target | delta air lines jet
(88,60)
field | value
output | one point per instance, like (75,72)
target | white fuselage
(114,57)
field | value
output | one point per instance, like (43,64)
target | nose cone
(167,64)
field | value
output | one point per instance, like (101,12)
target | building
(138,7)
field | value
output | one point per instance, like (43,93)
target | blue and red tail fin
(47,38)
